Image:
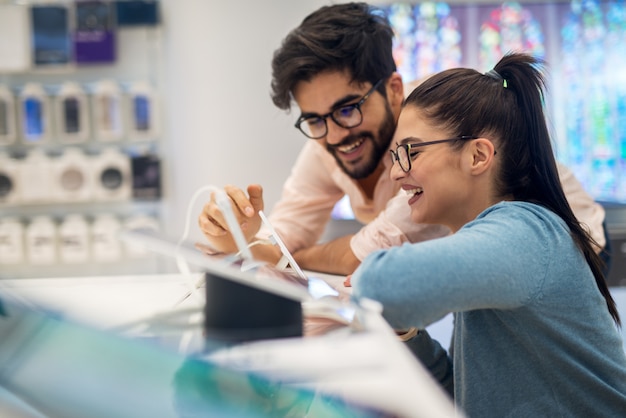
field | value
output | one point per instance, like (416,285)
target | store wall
(221,126)
(212,69)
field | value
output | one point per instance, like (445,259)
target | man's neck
(368,184)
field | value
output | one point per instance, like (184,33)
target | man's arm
(299,217)
(335,257)
(392,227)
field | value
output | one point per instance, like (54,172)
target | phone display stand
(72,119)
(35,177)
(9,180)
(11,241)
(235,312)
(73,178)
(142,117)
(107,111)
(41,241)
(112,176)
(8,131)
(74,240)
(105,246)
(34,114)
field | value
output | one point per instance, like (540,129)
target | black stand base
(237,313)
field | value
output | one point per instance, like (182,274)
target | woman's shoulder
(523,217)
(521,209)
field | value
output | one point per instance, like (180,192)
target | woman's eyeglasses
(404,154)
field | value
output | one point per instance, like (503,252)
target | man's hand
(246,209)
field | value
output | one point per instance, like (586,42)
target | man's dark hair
(353,37)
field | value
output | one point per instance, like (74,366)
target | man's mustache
(349,140)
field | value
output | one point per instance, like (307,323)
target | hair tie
(496,76)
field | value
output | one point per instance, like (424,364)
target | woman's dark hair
(356,37)
(506,105)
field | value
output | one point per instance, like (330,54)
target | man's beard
(380,147)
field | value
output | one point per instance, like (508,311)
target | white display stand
(370,367)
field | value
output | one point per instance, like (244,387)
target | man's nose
(335,133)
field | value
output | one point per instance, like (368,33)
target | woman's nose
(396,173)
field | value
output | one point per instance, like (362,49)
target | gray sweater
(532,335)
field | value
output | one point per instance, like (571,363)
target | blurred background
(115,113)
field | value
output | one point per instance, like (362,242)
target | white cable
(182,265)
(223,201)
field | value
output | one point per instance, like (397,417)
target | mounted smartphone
(50,30)
(94,38)
(137,12)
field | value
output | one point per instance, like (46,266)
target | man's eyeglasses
(405,153)
(348,116)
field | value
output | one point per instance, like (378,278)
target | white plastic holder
(142,112)
(34,114)
(41,241)
(35,180)
(106,105)
(8,128)
(11,241)
(105,244)
(74,239)
(71,113)
(10,180)
(111,171)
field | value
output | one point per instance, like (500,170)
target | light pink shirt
(317,183)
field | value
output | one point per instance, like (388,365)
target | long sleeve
(307,199)
(419,284)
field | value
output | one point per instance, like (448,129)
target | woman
(535,330)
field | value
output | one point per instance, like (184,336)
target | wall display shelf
(79,137)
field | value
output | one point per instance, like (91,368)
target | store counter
(134,346)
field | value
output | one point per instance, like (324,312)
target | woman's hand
(346,282)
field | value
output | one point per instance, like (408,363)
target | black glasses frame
(331,114)
(408,147)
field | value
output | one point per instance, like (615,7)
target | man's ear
(482,155)
(395,90)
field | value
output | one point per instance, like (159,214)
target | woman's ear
(482,155)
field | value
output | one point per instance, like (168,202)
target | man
(338,67)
